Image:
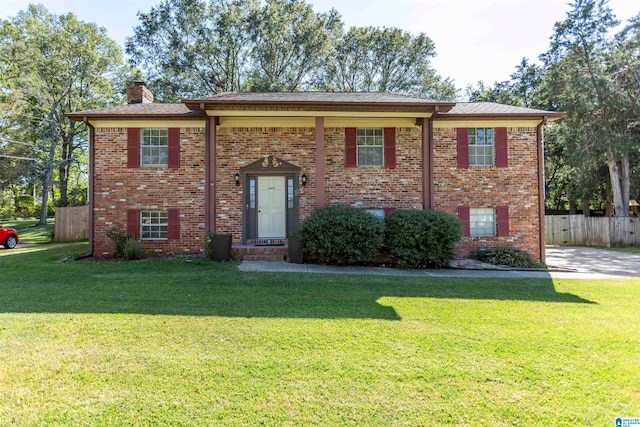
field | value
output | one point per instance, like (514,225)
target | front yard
(192,342)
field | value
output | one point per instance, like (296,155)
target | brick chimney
(139,93)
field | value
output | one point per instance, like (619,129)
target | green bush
(422,238)
(119,236)
(503,256)
(132,249)
(342,235)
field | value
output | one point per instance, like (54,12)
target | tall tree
(290,42)
(191,48)
(61,65)
(370,59)
(582,67)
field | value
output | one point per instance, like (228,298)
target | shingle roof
(315,97)
(139,110)
(495,109)
(311,100)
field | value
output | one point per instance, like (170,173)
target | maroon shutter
(389,147)
(387,211)
(173,224)
(502,156)
(464,216)
(502,212)
(133,222)
(350,148)
(174,147)
(133,147)
(462,137)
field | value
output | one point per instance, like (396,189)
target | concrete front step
(259,253)
(263,258)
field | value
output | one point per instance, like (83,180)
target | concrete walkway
(594,260)
(588,263)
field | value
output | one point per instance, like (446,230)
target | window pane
(153,225)
(154,147)
(481,147)
(370,147)
(482,222)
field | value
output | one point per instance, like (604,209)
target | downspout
(541,192)
(92,136)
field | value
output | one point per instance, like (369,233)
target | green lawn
(192,342)
(30,232)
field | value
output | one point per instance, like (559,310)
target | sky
(475,39)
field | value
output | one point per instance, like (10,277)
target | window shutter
(133,222)
(502,155)
(174,147)
(133,147)
(350,147)
(173,224)
(389,147)
(462,137)
(464,215)
(387,211)
(502,213)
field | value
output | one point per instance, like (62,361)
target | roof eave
(550,116)
(208,104)
(79,117)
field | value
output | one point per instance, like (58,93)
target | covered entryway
(270,200)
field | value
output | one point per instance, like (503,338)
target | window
(153,225)
(154,147)
(378,213)
(482,222)
(370,147)
(481,147)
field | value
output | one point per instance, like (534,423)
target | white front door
(272,216)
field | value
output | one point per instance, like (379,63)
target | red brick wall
(375,187)
(118,188)
(488,187)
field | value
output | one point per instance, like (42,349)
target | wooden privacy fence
(592,231)
(71,224)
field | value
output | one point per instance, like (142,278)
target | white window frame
(154,145)
(482,146)
(369,139)
(483,222)
(154,225)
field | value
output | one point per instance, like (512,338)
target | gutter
(92,135)
(541,191)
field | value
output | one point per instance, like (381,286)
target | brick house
(254,164)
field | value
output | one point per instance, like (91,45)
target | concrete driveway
(594,260)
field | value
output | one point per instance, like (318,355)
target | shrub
(341,235)
(422,238)
(503,256)
(132,249)
(119,236)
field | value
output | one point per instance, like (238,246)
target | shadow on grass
(35,283)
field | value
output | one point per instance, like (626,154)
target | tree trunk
(45,187)
(572,206)
(54,135)
(63,184)
(607,200)
(585,207)
(621,208)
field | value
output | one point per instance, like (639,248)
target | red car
(8,237)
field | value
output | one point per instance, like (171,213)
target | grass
(30,232)
(193,342)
